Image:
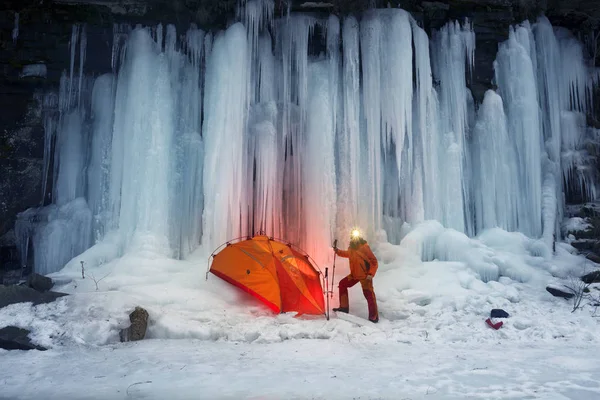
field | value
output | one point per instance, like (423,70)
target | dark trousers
(367,288)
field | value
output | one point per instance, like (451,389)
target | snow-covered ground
(207,339)
(364,365)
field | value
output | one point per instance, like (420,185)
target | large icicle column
(225,106)
(143,144)
(453,52)
(496,189)
(319,164)
(348,142)
(515,75)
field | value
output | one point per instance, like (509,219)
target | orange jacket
(358,259)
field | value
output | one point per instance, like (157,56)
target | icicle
(386,44)
(266,73)
(496,190)
(120,33)
(371,30)
(517,83)
(102,108)
(266,157)
(142,146)
(256,15)
(82,53)
(70,159)
(319,164)
(73,47)
(50,107)
(426,201)
(194,43)
(453,46)
(293,35)
(349,140)
(575,72)
(225,214)
(192,197)
(267,147)
(15,31)
(397,101)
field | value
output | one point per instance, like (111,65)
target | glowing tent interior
(274,272)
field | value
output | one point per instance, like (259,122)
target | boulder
(593,257)
(559,293)
(592,277)
(39,282)
(23,294)
(13,338)
(137,329)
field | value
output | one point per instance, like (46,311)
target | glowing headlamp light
(355,234)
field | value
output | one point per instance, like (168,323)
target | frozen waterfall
(194,138)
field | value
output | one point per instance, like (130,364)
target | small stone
(137,329)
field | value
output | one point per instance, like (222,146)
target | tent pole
(327,291)
(333,272)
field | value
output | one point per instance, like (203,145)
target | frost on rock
(35,70)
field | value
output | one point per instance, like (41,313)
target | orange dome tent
(272,271)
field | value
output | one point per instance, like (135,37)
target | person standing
(363,266)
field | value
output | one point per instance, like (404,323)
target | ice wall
(303,127)
(545,82)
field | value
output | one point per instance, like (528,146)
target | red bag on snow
(496,326)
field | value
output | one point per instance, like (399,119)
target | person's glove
(369,277)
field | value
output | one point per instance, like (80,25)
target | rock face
(137,329)
(13,338)
(22,294)
(44,32)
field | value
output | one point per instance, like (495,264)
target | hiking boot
(342,309)
(376,320)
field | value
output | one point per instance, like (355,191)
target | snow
(300,369)
(576,224)
(432,317)
(461,279)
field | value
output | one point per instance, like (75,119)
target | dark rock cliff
(45,29)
